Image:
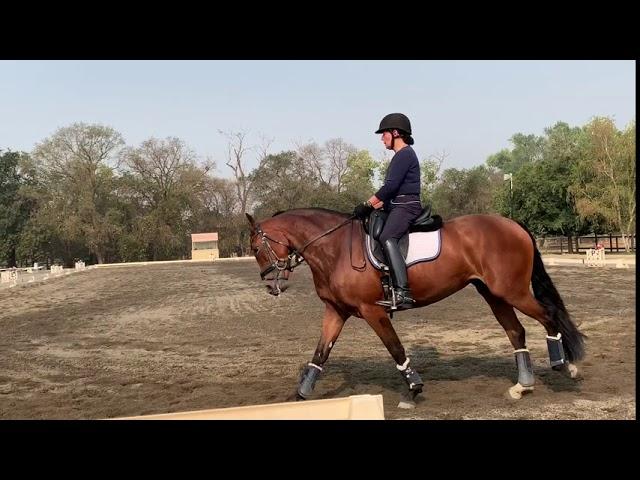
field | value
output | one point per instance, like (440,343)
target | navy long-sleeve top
(403,175)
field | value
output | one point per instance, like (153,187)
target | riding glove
(362,210)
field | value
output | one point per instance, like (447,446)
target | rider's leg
(395,227)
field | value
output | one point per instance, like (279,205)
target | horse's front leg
(332,324)
(378,319)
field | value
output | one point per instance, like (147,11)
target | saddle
(374,224)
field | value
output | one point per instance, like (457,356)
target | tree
(384,159)
(357,181)
(220,213)
(330,163)
(283,181)
(236,161)
(429,173)
(541,196)
(526,149)
(338,153)
(604,182)
(37,240)
(164,177)
(42,240)
(314,156)
(462,192)
(14,207)
(74,164)
(541,201)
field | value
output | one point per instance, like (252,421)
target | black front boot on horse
(308,379)
(411,377)
(401,296)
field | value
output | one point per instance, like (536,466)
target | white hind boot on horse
(526,379)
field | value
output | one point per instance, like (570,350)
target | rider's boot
(401,298)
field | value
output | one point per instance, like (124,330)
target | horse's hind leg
(332,324)
(528,305)
(378,319)
(515,331)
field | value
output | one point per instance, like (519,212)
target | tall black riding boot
(398,270)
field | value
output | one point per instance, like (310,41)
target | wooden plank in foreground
(355,407)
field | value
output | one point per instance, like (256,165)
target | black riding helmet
(397,121)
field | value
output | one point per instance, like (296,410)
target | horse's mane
(311,210)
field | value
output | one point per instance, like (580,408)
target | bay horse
(495,254)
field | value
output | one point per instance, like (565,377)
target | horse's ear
(251,220)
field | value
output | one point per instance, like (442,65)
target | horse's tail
(545,292)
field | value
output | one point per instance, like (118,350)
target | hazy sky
(469,109)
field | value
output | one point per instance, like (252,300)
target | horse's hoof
(408,400)
(299,397)
(514,393)
(518,390)
(572,370)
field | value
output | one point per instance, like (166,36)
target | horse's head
(274,257)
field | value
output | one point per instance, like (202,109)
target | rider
(400,197)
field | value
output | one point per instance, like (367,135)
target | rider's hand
(362,210)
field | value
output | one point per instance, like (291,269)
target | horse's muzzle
(277,286)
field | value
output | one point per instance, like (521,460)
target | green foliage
(283,181)
(74,166)
(526,149)
(429,172)
(80,195)
(461,192)
(15,204)
(544,176)
(358,179)
(540,199)
(604,180)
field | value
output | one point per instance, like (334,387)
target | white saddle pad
(423,247)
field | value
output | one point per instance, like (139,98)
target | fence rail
(611,243)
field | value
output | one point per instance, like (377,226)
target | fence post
(561,245)
(610,244)
(617,250)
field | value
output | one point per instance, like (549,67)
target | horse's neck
(309,229)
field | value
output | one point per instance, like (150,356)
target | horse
(497,255)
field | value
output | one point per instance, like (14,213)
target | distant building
(204,246)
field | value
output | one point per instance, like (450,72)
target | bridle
(292,261)
(294,258)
